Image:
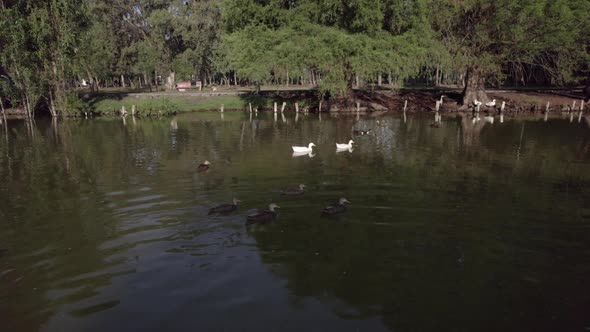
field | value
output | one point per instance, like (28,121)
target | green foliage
(106,105)
(38,40)
(336,41)
(548,34)
(75,106)
(332,44)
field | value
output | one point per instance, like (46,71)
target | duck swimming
(344,150)
(225,208)
(263,216)
(344,146)
(294,191)
(303,149)
(361,132)
(337,208)
(204,166)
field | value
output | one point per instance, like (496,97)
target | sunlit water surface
(466,227)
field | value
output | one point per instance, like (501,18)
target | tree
(98,51)
(332,42)
(483,35)
(18,59)
(197,26)
(39,40)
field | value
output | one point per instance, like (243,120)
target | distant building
(183,86)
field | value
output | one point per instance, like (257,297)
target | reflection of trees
(55,212)
(403,260)
(471,127)
(49,237)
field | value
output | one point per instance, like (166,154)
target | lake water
(466,227)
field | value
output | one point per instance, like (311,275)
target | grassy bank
(165,104)
(156,103)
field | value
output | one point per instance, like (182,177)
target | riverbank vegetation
(50,50)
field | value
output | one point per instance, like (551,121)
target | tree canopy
(48,47)
(492,39)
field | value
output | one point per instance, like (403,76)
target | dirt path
(376,99)
(425,100)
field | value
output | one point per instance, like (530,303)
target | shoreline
(378,100)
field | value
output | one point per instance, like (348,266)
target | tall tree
(40,39)
(335,42)
(483,35)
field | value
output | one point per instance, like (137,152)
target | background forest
(48,47)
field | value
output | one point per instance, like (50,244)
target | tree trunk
(25,104)
(122,81)
(170,81)
(55,100)
(3,111)
(436,76)
(379,79)
(52,108)
(93,82)
(287,81)
(148,83)
(474,87)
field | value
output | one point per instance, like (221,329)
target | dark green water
(104,226)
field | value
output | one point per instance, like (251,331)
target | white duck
(476,102)
(344,146)
(303,149)
(491,103)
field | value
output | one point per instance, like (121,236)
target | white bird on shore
(344,146)
(303,149)
(476,102)
(491,103)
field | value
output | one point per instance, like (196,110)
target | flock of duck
(270,214)
(310,146)
(478,103)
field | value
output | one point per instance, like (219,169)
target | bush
(75,106)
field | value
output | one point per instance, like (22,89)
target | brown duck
(337,208)
(204,166)
(294,191)
(263,216)
(225,208)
